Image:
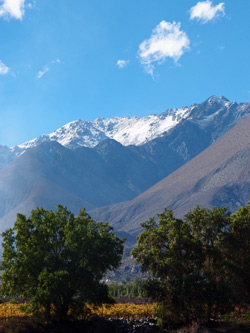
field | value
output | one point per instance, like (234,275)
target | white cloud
(31,4)
(3,68)
(42,72)
(46,68)
(167,40)
(12,9)
(122,63)
(56,61)
(204,11)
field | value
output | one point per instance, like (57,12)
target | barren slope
(220,175)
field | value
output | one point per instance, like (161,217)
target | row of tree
(133,288)
(199,266)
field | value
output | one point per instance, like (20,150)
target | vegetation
(131,289)
(58,260)
(106,318)
(236,247)
(199,266)
(105,310)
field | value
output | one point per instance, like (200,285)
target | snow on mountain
(126,130)
(136,131)
(217,99)
(72,135)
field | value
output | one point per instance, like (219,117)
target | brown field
(107,311)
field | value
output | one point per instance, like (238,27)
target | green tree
(58,260)
(208,228)
(236,249)
(169,252)
(185,262)
(134,288)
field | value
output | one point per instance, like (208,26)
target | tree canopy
(198,266)
(58,260)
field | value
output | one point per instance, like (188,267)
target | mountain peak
(217,99)
(126,130)
(132,130)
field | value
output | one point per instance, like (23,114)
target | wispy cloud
(31,4)
(204,11)
(56,61)
(122,63)
(46,68)
(12,9)
(43,71)
(3,68)
(167,40)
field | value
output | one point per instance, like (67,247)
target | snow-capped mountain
(132,130)
(127,130)
(150,149)
(218,176)
(81,133)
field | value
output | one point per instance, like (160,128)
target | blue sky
(64,60)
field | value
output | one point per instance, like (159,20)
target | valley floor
(128,315)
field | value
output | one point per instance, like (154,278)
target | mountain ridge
(219,175)
(49,173)
(126,130)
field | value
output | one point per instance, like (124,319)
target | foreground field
(126,311)
(118,318)
(115,318)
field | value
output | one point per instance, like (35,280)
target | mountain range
(125,170)
(134,130)
(218,176)
(80,133)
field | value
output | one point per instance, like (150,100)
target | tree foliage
(130,288)
(58,260)
(199,266)
(236,248)
(170,253)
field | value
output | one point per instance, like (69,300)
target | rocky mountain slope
(80,133)
(218,176)
(135,130)
(49,173)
